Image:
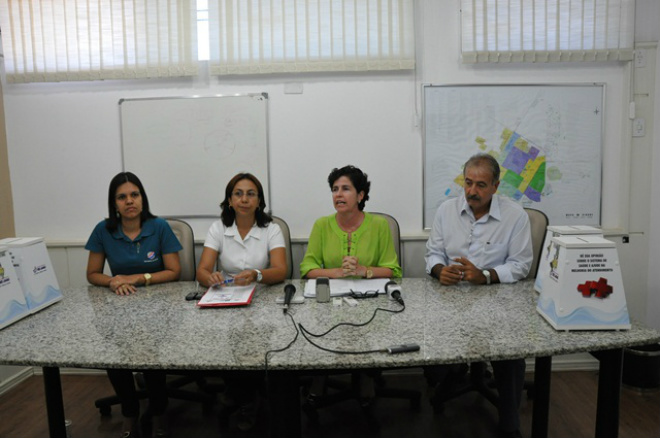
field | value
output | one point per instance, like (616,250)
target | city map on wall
(547,139)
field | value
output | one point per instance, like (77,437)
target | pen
(223,283)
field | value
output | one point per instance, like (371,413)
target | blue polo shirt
(144,254)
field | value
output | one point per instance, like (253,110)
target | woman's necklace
(350,229)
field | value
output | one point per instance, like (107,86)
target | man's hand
(469,272)
(450,275)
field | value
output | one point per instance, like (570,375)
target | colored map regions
(522,167)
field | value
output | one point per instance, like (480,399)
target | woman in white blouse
(250,245)
(251,249)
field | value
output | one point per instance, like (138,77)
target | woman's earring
(117,214)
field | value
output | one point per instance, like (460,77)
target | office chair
(286,233)
(479,378)
(396,233)
(538,223)
(337,389)
(184,233)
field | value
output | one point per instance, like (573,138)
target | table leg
(541,406)
(284,404)
(609,392)
(54,402)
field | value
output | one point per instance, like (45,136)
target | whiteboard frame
(424,86)
(264,95)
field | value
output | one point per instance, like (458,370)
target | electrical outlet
(293,88)
(640,58)
(639,127)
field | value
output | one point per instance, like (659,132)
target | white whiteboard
(186,149)
(547,139)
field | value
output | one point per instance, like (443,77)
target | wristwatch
(259,275)
(369,273)
(147,279)
(486,273)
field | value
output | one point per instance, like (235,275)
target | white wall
(61,170)
(64,139)
(647,19)
(653,283)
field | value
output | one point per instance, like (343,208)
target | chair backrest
(538,222)
(286,233)
(184,233)
(396,234)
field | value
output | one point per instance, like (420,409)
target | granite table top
(157,329)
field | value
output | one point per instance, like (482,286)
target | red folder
(227,296)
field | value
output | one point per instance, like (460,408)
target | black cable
(279,350)
(300,329)
(355,324)
(306,332)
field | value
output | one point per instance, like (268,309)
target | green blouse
(371,243)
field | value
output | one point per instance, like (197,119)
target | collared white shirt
(237,254)
(500,240)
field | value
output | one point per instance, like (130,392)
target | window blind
(547,30)
(276,36)
(63,40)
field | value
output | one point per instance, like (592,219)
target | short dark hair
(228,215)
(112,222)
(484,160)
(357,177)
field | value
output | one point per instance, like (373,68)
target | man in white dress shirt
(483,238)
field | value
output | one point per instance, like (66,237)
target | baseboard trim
(73,371)
(586,363)
(14,380)
(576,362)
(573,362)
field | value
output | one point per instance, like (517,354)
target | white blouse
(237,254)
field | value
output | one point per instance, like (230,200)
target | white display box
(12,301)
(583,289)
(35,271)
(547,251)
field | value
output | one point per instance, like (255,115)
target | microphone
(404,348)
(394,291)
(289,292)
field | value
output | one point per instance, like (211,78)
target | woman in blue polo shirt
(141,249)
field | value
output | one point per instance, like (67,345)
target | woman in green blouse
(350,242)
